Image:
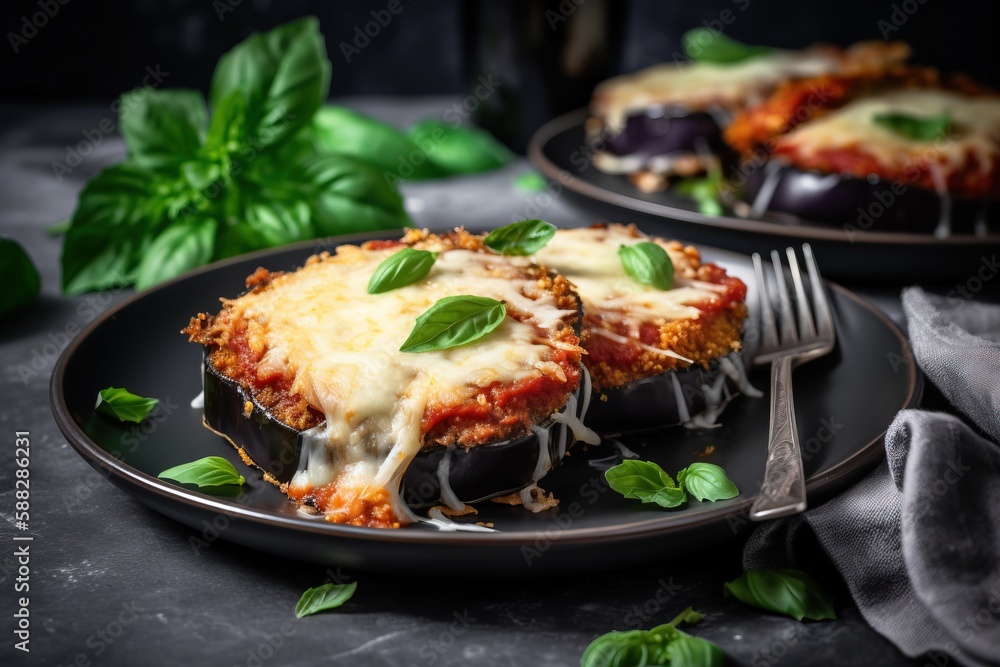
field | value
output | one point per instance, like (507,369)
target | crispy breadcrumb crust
(765,126)
(219,333)
(715,334)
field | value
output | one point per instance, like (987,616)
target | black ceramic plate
(560,151)
(844,403)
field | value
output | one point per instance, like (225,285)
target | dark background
(92,51)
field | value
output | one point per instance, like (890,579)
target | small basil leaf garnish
(645,481)
(707,481)
(124,405)
(648,263)
(321,598)
(711,46)
(521,238)
(401,269)
(454,321)
(790,592)
(915,127)
(210,471)
(663,645)
(705,191)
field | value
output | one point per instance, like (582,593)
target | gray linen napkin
(917,541)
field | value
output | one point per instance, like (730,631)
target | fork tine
(807,330)
(824,317)
(788,334)
(769,332)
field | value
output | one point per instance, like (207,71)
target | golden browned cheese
(235,345)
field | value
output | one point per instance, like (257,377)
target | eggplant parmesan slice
(655,357)
(840,163)
(667,120)
(306,366)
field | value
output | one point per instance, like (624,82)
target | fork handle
(784,491)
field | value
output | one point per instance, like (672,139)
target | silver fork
(784,491)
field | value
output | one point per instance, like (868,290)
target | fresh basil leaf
(124,405)
(454,321)
(349,196)
(284,75)
(704,191)
(687,651)
(176,250)
(648,263)
(321,598)
(275,217)
(59,228)
(530,181)
(459,150)
(18,276)
(228,129)
(707,481)
(521,238)
(790,592)
(341,131)
(645,481)
(162,127)
(200,174)
(662,645)
(400,269)
(711,46)
(210,471)
(918,128)
(120,211)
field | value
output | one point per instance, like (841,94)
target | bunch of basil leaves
(271,165)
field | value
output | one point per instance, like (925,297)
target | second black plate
(561,152)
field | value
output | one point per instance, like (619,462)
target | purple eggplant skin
(666,130)
(867,204)
(475,473)
(651,403)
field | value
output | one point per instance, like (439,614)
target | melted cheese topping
(701,85)
(589,259)
(342,345)
(975,128)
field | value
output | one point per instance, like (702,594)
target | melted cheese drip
(975,129)
(342,345)
(704,86)
(589,259)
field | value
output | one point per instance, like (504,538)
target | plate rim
(656,526)
(536,155)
